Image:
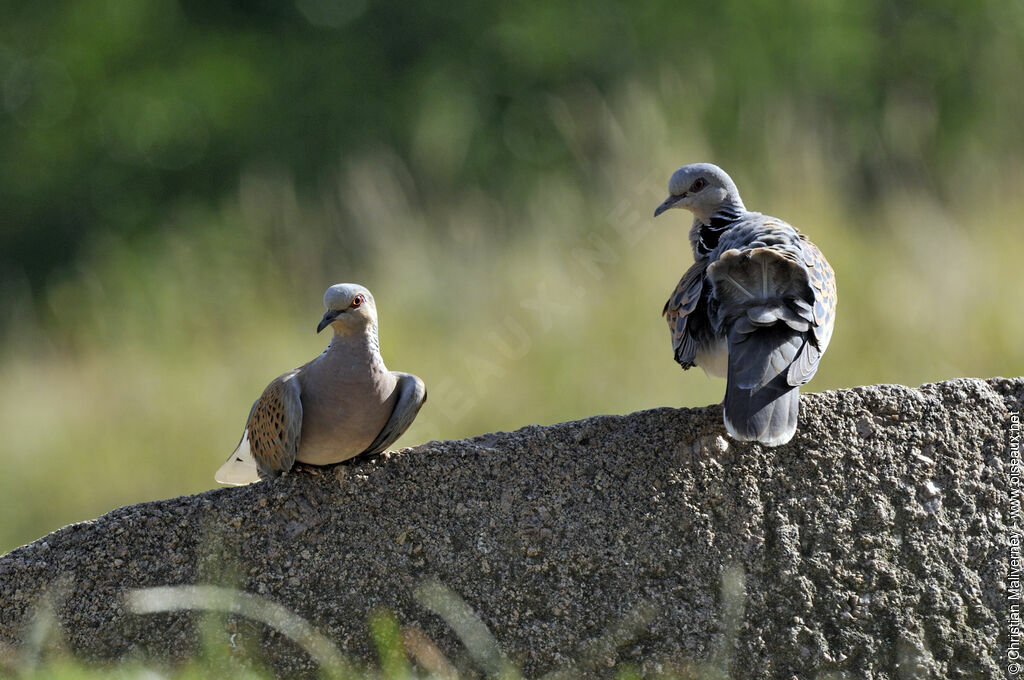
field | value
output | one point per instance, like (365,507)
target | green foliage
(387,637)
(116,115)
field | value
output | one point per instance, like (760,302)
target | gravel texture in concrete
(874,545)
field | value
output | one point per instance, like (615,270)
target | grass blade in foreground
(481,645)
(231,601)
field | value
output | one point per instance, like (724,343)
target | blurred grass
(404,652)
(134,379)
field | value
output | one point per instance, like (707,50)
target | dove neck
(706,232)
(722,218)
(357,343)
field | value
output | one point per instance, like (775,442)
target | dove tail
(240,468)
(760,404)
(761,311)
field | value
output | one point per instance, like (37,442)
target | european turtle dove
(757,305)
(342,404)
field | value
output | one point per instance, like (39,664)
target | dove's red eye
(358,300)
(698,184)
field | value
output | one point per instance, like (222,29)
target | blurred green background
(181,180)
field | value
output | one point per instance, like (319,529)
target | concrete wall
(874,545)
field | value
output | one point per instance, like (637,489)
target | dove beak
(330,316)
(669,202)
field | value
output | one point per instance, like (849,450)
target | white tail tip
(240,468)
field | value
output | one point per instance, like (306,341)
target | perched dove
(757,305)
(342,404)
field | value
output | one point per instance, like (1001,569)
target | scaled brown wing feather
(680,305)
(275,426)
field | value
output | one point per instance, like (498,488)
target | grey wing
(275,426)
(412,394)
(808,271)
(678,311)
(822,283)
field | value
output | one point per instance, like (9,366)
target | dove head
(350,309)
(703,189)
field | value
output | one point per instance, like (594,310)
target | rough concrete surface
(874,545)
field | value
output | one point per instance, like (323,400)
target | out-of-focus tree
(115,114)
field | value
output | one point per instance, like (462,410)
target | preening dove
(757,306)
